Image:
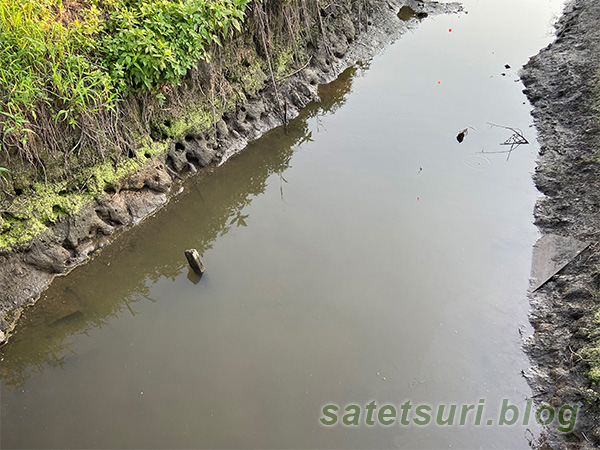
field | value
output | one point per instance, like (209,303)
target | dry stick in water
(516,139)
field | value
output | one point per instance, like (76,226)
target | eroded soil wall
(561,83)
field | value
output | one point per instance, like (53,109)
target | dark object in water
(193,258)
(461,135)
(506,66)
(407,13)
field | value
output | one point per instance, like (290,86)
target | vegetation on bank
(85,83)
(74,58)
(591,352)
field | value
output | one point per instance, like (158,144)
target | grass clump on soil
(66,63)
(71,58)
(591,352)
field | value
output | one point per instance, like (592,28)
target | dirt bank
(349,33)
(562,84)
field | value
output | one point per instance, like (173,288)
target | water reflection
(214,203)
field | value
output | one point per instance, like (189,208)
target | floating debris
(461,135)
(406,13)
(515,140)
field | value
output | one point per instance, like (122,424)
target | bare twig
(515,140)
(586,438)
(296,71)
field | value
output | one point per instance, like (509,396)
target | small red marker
(439,82)
(418,199)
(450,30)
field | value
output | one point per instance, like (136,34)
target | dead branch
(295,72)
(515,140)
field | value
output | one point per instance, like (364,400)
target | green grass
(63,62)
(46,60)
(591,352)
(77,57)
(71,67)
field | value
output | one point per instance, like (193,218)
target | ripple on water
(477,162)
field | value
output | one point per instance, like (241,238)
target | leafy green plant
(156,42)
(78,59)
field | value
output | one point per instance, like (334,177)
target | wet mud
(561,83)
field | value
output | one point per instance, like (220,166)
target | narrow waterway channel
(362,254)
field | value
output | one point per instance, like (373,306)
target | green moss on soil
(192,122)
(591,352)
(284,58)
(30,215)
(33,213)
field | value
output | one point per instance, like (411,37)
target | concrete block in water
(551,253)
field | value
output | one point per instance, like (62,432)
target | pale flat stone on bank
(551,253)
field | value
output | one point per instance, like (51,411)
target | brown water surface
(363,254)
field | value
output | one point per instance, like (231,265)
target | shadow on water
(75,304)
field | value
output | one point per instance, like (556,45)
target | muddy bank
(348,38)
(561,83)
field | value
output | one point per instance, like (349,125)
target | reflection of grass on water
(42,337)
(333,95)
(42,340)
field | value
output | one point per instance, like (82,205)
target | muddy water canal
(362,254)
